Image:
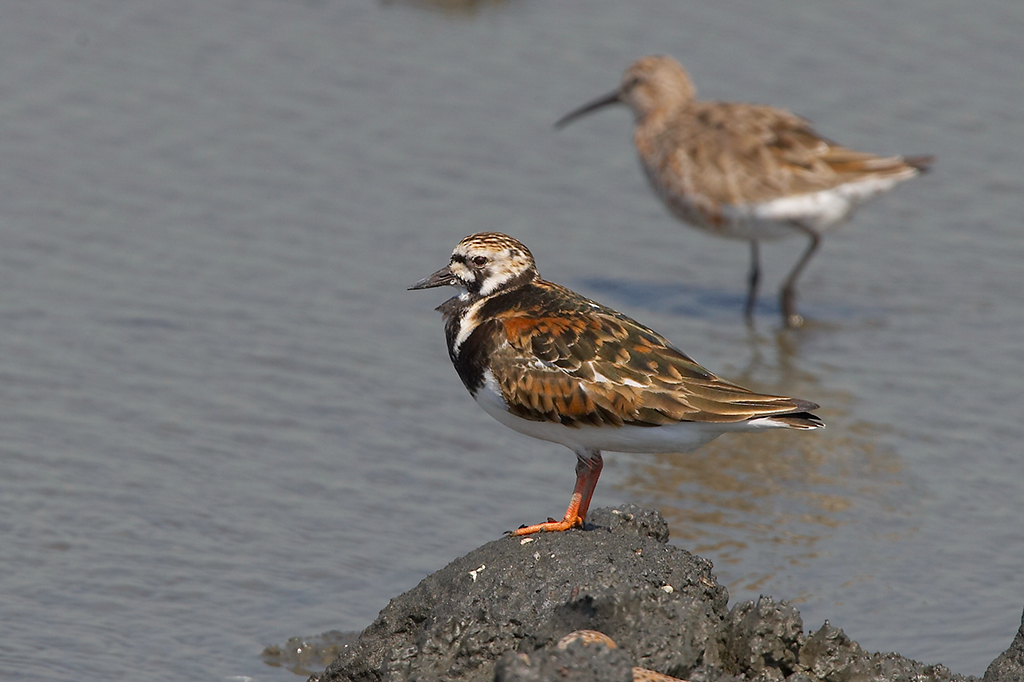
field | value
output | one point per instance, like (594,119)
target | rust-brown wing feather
(563,358)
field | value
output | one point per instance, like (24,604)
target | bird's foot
(551,526)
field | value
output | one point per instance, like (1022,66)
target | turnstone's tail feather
(800,420)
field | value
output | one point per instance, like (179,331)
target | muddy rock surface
(1009,665)
(501,613)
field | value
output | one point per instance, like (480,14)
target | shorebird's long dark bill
(442,277)
(603,101)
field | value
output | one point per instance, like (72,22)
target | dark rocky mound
(499,612)
(1009,665)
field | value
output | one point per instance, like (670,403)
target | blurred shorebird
(551,364)
(745,171)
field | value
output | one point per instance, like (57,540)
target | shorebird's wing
(750,153)
(560,357)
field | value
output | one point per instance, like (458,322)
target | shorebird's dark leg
(588,469)
(753,280)
(788,294)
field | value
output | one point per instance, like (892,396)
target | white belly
(678,437)
(774,219)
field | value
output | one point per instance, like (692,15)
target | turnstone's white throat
(547,362)
(745,171)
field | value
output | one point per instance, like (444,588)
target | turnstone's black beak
(600,102)
(442,277)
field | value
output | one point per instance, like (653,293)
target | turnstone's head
(650,84)
(484,263)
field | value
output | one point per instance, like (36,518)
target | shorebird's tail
(799,420)
(922,162)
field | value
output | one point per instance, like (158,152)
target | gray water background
(226,422)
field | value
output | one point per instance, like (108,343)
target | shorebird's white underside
(772,220)
(680,437)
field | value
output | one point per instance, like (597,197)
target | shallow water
(227,423)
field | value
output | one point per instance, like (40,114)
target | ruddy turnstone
(745,171)
(547,362)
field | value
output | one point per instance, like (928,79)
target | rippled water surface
(226,422)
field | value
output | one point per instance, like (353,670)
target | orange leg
(588,469)
(595,464)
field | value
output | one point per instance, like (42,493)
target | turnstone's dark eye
(479,261)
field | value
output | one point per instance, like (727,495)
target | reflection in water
(791,491)
(465,7)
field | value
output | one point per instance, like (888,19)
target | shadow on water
(707,303)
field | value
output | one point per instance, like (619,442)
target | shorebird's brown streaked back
(745,171)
